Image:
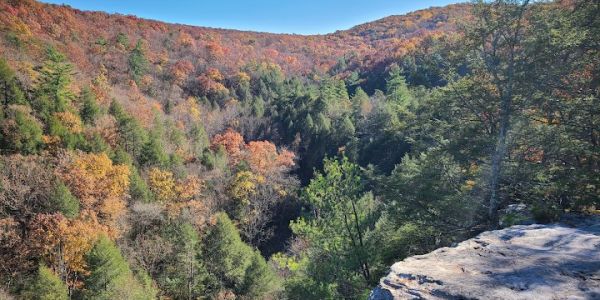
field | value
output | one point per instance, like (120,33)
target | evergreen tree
(46,286)
(309,125)
(509,77)
(199,139)
(153,153)
(360,103)
(258,107)
(10,92)
(260,279)
(21,132)
(138,188)
(89,107)
(185,274)
(63,201)
(132,135)
(337,230)
(225,253)
(346,129)
(234,263)
(95,143)
(53,92)
(138,63)
(110,276)
(122,40)
(396,87)
(69,131)
(435,192)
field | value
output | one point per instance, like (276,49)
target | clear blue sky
(278,16)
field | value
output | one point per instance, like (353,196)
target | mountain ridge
(297,54)
(351,28)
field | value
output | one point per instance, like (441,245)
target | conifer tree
(47,286)
(89,107)
(234,263)
(396,87)
(21,132)
(10,92)
(138,63)
(133,137)
(110,276)
(53,90)
(63,201)
(153,153)
(185,274)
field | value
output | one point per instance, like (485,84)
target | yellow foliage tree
(63,243)
(71,121)
(101,87)
(97,183)
(179,195)
(162,184)
(244,186)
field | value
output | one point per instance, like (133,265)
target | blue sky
(278,16)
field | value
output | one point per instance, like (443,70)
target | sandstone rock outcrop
(559,261)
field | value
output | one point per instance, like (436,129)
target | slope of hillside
(521,262)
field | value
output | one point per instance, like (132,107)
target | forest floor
(555,261)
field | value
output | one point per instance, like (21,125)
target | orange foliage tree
(179,195)
(98,184)
(233,142)
(63,243)
(263,157)
(180,71)
(101,87)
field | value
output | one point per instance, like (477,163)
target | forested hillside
(144,160)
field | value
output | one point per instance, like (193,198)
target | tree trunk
(505,83)
(365,261)
(498,158)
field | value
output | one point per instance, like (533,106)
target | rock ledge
(556,261)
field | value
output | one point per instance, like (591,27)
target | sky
(276,16)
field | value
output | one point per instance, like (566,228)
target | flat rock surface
(559,261)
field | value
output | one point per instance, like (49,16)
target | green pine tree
(153,153)
(184,276)
(133,136)
(396,87)
(53,92)
(260,278)
(21,132)
(46,286)
(110,276)
(138,188)
(359,102)
(138,63)
(226,254)
(89,108)
(63,201)
(199,138)
(10,92)
(236,264)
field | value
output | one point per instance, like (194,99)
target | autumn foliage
(232,142)
(264,158)
(100,185)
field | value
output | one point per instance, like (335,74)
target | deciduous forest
(146,160)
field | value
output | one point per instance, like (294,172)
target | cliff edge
(558,261)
